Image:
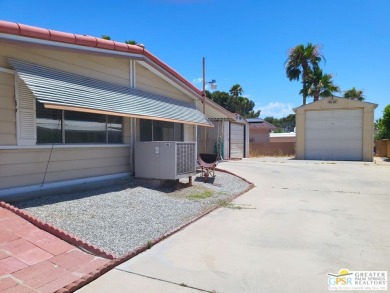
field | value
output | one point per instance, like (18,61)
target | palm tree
(354,94)
(319,85)
(236,91)
(301,59)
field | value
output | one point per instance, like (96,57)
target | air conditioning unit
(165,159)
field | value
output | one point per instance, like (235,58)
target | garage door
(237,140)
(334,135)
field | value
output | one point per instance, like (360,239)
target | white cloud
(276,110)
(197,80)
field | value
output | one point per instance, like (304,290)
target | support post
(204,103)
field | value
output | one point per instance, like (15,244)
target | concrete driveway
(303,219)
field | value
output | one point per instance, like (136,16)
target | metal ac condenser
(165,159)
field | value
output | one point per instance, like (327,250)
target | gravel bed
(121,218)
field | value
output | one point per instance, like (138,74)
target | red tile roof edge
(14,28)
(58,232)
(116,262)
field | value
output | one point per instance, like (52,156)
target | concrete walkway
(303,220)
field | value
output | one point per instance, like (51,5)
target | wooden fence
(382,148)
(273,149)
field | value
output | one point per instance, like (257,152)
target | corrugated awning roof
(63,90)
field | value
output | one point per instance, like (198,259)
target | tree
(383,125)
(106,37)
(301,59)
(221,98)
(319,85)
(354,94)
(285,124)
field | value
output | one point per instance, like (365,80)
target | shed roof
(335,103)
(255,120)
(259,123)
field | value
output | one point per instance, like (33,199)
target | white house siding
(149,82)
(7,110)
(26,166)
(21,166)
(114,70)
(212,136)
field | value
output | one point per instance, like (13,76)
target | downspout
(132,120)
(204,103)
(230,140)
(244,141)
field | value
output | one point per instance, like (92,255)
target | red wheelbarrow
(207,162)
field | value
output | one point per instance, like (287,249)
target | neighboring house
(282,137)
(229,137)
(335,129)
(73,108)
(265,143)
(259,130)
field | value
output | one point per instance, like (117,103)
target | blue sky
(244,42)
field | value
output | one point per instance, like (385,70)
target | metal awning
(68,91)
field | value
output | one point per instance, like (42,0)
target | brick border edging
(115,262)
(63,235)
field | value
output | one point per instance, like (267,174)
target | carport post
(204,101)
(213,84)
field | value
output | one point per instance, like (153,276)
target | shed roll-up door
(334,135)
(237,141)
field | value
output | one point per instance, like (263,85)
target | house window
(57,126)
(146,130)
(49,125)
(154,130)
(85,127)
(114,129)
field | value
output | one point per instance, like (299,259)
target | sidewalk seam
(166,281)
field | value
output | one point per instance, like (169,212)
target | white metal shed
(335,129)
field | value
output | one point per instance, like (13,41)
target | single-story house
(76,109)
(265,143)
(335,129)
(259,130)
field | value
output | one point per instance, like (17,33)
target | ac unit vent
(185,158)
(167,160)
